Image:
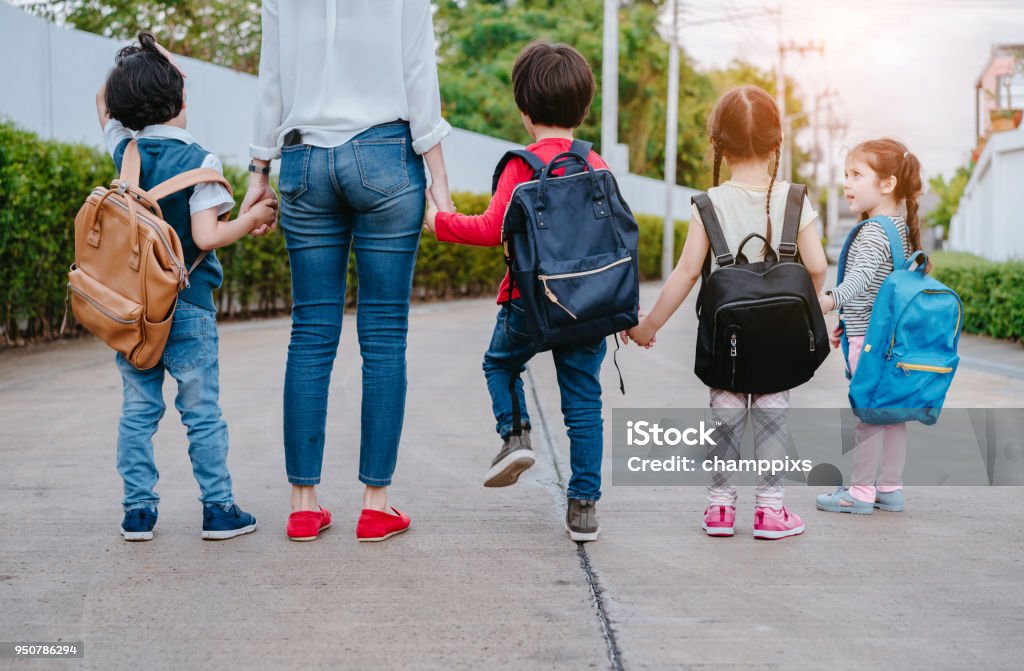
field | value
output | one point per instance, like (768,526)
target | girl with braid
(883,179)
(746,133)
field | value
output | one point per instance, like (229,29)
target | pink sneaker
(771,524)
(719,520)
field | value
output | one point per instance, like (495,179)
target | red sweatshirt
(484,230)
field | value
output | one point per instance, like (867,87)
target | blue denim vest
(161,160)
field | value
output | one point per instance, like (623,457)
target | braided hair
(891,158)
(745,124)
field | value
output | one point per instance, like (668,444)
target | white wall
(50,75)
(990,219)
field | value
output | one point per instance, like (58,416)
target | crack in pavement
(596,592)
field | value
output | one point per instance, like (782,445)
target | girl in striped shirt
(882,179)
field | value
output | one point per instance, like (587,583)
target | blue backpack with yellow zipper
(909,356)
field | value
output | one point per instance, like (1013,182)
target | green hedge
(992,293)
(43,183)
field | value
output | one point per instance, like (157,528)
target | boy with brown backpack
(144,276)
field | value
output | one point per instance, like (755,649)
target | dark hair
(553,84)
(891,158)
(745,124)
(144,88)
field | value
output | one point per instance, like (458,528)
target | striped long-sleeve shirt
(868,264)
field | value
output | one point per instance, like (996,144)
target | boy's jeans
(579,381)
(191,359)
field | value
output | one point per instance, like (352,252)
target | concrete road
(485,578)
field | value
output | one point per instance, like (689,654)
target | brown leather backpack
(129,265)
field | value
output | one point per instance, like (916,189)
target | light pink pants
(881,451)
(771,436)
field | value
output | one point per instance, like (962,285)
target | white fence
(990,219)
(51,74)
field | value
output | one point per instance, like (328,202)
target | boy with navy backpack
(576,303)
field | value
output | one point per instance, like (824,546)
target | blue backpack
(909,356)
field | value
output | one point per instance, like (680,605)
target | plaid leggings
(771,436)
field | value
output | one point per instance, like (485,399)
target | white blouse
(334,68)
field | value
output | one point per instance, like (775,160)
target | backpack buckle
(787,249)
(725,259)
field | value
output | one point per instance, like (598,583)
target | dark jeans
(579,382)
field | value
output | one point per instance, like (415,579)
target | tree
(479,40)
(477,43)
(225,32)
(949,194)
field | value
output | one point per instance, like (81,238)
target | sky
(901,68)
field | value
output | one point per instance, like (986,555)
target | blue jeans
(579,382)
(367,195)
(191,359)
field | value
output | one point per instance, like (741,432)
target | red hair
(745,124)
(891,158)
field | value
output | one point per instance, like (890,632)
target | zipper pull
(67,300)
(811,335)
(732,353)
(554,299)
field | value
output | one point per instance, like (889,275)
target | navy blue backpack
(571,249)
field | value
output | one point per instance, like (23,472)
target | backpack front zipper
(182,272)
(907,367)
(102,308)
(564,276)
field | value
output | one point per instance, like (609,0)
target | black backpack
(571,248)
(761,329)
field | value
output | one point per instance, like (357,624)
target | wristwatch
(259,170)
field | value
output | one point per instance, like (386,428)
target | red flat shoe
(306,525)
(376,525)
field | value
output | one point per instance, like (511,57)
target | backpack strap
(891,232)
(131,164)
(719,247)
(580,148)
(531,159)
(187,179)
(791,221)
(895,247)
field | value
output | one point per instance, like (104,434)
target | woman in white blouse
(349,101)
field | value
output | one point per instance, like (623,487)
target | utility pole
(672,123)
(668,236)
(610,83)
(835,129)
(786,167)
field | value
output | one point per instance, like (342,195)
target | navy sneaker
(222,522)
(138,524)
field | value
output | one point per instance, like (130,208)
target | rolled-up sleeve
(269,101)
(419,63)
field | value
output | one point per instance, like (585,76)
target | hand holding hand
(835,335)
(431,217)
(643,334)
(259,191)
(264,215)
(441,196)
